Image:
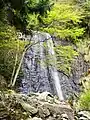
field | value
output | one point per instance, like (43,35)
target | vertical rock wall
(38,75)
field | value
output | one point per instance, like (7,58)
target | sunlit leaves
(33,22)
(63,33)
(63,13)
(65,56)
(63,21)
(84,101)
(9,47)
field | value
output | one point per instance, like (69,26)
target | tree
(8,49)
(63,21)
(18,10)
(86,19)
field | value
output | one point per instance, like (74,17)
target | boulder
(38,106)
(84,115)
(27,107)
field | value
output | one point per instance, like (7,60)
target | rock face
(40,74)
(35,106)
(78,69)
(36,77)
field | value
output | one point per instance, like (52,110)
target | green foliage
(84,101)
(9,47)
(63,20)
(84,48)
(65,56)
(19,10)
(85,5)
(33,22)
(35,10)
(86,19)
(38,6)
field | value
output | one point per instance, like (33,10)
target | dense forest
(64,20)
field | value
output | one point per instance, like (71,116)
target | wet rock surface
(40,76)
(37,75)
(36,106)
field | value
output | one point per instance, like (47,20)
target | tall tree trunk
(16,58)
(18,69)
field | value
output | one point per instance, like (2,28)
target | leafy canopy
(63,21)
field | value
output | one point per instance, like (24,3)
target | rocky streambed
(36,106)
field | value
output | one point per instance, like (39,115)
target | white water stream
(54,70)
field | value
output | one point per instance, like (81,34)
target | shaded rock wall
(72,82)
(78,68)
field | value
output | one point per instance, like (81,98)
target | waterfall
(53,68)
(38,75)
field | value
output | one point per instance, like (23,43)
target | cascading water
(40,75)
(53,68)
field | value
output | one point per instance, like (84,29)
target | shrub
(84,101)
(9,47)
